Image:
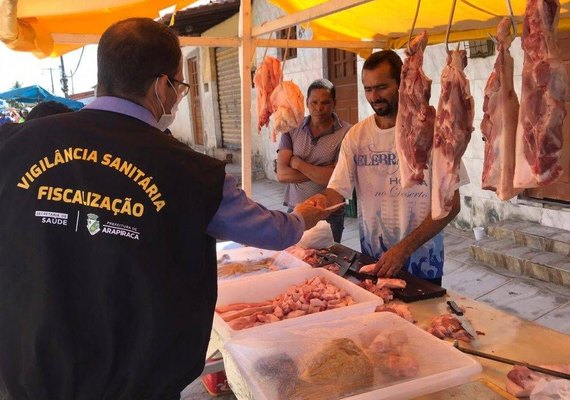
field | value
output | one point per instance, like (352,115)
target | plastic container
(479,232)
(282,260)
(268,286)
(440,365)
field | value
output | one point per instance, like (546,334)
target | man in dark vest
(107,235)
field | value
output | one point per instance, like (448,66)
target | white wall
(480,207)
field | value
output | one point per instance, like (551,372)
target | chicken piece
(499,125)
(307,255)
(452,133)
(231,315)
(384,293)
(266,79)
(544,84)
(400,310)
(240,306)
(447,325)
(521,380)
(391,283)
(288,105)
(243,322)
(400,365)
(415,120)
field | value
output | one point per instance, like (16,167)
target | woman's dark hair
(132,53)
(385,56)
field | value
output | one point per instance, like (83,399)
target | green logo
(93,224)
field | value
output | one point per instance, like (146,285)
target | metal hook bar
(413,25)
(511,15)
(449,25)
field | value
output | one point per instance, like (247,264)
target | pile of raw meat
(281,98)
(312,296)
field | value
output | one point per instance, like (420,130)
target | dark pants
(337,225)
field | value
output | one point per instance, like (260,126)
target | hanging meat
(266,79)
(288,107)
(499,125)
(414,124)
(542,111)
(452,132)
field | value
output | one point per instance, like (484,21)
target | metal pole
(63,80)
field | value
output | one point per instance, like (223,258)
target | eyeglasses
(183,87)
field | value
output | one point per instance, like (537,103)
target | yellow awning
(40,24)
(38,20)
(391,20)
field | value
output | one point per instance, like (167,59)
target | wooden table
(505,335)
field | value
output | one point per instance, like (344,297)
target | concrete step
(533,235)
(505,253)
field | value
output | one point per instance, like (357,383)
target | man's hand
(319,200)
(311,214)
(391,262)
(295,162)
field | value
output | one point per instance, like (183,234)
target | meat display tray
(242,355)
(416,288)
(268,286)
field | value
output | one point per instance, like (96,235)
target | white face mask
(165,119)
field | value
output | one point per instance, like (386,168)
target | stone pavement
(542,302)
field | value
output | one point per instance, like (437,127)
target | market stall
(362,25)
(249,356)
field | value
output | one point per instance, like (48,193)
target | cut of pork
(414,123)
(499,125)
(452,133)
(266,79)
(542,111)
(288,107)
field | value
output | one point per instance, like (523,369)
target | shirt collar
(337,124)
(123,106)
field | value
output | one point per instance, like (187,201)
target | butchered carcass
(542,111)
(452,133)
(288,107)
(414,123)
(266,79)
(499,125)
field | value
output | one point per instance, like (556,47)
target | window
(291,51)
(481,48)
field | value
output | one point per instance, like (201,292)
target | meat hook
(513,22)
(413,25)
(449,25)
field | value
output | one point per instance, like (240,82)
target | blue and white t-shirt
(386,212)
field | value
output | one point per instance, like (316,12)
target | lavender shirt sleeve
(286,142)
(244,221)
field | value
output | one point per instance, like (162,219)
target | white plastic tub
(440,365)
(268,286)
(282,260)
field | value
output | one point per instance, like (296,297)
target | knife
(465,323)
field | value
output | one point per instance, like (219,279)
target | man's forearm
(428,229)
(290,175)
(319,175)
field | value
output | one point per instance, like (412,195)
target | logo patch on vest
(93,224)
